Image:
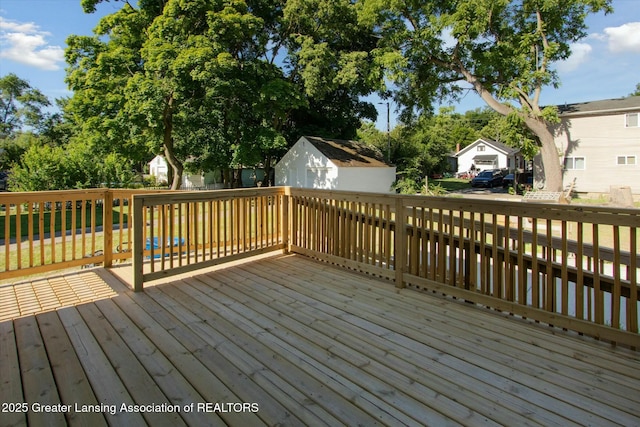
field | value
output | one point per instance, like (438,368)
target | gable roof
(605,106)
(495,144)
(346,153)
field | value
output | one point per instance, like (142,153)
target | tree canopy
(220,84)
(20,105)
(504,50)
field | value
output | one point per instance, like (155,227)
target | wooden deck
(297,342)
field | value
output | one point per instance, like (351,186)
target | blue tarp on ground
(156,247)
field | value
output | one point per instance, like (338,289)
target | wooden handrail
(181,232)
(63,229)
(511,254)
(471,249)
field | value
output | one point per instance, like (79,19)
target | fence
(52,230)
(574,267)
(183,231)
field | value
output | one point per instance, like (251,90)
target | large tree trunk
(266,181)
(172,160)
(176,167)
(226,177)
(551,168)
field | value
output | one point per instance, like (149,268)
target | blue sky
(606,64)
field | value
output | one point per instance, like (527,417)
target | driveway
(495,193)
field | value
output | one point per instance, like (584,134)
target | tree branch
(457,66)
(543,65)
(484,93)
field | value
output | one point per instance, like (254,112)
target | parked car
(488,179)
(4,176)
(508,180)
(523,180)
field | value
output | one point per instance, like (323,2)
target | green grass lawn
(451,184)
(57,222)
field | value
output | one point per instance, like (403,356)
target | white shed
(159,168)
(333,164)
(487,154)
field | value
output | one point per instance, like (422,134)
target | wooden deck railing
(183,231)
(575,267)
(52,230)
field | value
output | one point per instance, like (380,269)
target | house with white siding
(159,169)
(483,154)
(599,145)
(333,164)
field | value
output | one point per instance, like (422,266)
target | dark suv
(4,177)
(488,178)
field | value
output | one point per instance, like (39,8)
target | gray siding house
(599,144)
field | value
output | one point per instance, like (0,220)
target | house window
(574,163)
(632,120)
(626,160)
(481,147)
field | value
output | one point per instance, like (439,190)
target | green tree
(43,167)
(503,49)
(20,105)
(437,136)
(12,149)
(219,83)
(510,130)
(637,91)
(99,69)
(329,56)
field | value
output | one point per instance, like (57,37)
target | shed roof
(347,153)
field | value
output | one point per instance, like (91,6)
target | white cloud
(579,55)
(625,38)
(27,44)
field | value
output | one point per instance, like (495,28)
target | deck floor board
(505,351)
(452,371)
(309,343)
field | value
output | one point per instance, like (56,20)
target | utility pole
(388,136)
(388,131)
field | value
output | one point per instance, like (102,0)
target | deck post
(138,244)
(400,243)
(286,228)
(107,228)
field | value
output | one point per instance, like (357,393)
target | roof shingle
(348,153)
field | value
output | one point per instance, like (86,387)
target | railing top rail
(149,199)
(576,213)
(581,213)
(10,197)
(466,202)
(66,195)
(343,195)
